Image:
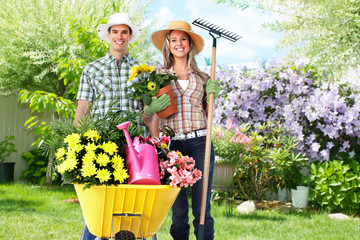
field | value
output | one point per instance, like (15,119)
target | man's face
(119,37)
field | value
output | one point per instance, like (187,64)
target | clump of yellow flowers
(137,70)
(85,159)
(146,82)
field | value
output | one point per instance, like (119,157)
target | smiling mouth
(179,49)
(119,42)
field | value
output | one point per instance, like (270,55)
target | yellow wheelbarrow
(140,209)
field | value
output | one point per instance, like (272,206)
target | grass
(32,212)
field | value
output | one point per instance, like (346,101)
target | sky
(255,45)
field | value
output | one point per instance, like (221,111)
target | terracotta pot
(171,109)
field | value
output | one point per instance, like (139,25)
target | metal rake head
(214,29)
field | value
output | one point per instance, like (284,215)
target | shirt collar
(171,70)
(109,58)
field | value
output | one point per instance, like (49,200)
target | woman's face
(179,44)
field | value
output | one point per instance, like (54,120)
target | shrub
(270,161)
(230,143)
(335,186)
(6,147)
(36,169)
(323,117)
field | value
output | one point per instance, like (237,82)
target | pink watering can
(141,160)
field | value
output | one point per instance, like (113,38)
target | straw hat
(117,19)
(158,37)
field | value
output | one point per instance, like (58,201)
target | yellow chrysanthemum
(60,153)
(102,159)
(72,139)
(62,167)
(88,170)
(109,147)
(92,135)
(151,86)
(103,175)
(68,165)
(120,175)
(117,161)
(89,157)
(77,147)
(90,147)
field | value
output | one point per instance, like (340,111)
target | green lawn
(32,212)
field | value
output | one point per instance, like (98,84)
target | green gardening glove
(212,86)
(157,104)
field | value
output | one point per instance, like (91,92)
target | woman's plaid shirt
(191,114)
(106,84)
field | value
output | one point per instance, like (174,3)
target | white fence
(13,115)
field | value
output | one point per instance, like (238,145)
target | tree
(327,33)
(43,44)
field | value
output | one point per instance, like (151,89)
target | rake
(216,32)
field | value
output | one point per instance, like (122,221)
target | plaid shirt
(105,84)
(191,114)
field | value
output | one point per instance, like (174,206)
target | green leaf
(355,197)
(146,98)
(333,182)
(350,176)
(345,187)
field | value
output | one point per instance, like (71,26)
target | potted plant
(6,168)
(229,145)
(147,83)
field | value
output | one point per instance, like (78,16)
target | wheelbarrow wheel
(124,235)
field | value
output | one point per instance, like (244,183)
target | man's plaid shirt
(105,84)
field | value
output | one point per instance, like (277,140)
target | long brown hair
(169,58)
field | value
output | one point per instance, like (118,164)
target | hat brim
(159,37)
(103,31)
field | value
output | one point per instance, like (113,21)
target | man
(104,82)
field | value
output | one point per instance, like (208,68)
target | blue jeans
(89,236)
(180,228)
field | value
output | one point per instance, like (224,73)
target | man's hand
(212,86)
(157,104)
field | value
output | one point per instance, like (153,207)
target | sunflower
(151,86)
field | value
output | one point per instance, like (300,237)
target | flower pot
(299,196)
(223,175)
(171,109)
(99,203)
(282,194)
(7,172)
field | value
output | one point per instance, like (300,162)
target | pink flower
(165,139)
(229,123)
(238,131)
(220,135)
(181,170)
(173,155)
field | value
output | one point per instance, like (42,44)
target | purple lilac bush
(323,115)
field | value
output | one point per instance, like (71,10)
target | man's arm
(81,110)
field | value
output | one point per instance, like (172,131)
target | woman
(179,46)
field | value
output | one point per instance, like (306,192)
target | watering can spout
(141,160)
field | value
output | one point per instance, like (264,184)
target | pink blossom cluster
(239,137)
(181,169)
